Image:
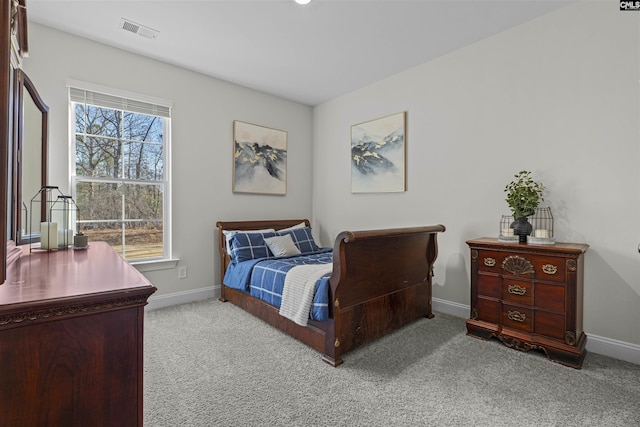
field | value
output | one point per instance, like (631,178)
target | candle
(507,231)
(541,234)
(48,235)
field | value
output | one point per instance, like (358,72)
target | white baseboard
(613,348)
(184,297)
(450,307)
(620,350)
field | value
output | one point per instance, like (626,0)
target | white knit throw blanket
(298,291)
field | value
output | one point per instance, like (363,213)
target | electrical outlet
(182,273)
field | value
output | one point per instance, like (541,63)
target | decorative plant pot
(522,228)
(80,241)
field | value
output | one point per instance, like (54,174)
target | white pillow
(228,234)
(293,227)
(282,245)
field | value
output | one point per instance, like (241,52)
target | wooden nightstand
(529,297)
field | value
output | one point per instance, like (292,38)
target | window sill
(161,264)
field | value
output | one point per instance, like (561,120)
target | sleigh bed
(378,281)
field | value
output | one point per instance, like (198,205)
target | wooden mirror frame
(5,64)
(23,82)
(13,46)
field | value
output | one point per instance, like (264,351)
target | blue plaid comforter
(264,279)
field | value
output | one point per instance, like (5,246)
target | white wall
(557,96)
(202,136)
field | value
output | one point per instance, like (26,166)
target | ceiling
(308,54)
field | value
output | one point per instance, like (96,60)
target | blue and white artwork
(259,159)
(378,155)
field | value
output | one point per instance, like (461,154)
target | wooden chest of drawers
(71,339)
(529,297)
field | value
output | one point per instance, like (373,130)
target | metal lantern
(506,233)
(64,212)
(542,222)
(55,216)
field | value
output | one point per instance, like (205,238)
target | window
(120,174)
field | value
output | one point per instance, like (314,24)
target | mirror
(31,158)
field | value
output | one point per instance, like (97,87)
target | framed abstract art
(259,159)
(378,155)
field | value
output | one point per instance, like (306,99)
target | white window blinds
(118,102)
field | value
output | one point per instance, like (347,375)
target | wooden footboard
(381,281)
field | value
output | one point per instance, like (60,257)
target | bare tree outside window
(120,178)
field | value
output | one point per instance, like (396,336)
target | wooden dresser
(529,297)
(71,340)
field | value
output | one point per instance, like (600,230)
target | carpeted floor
(211,364)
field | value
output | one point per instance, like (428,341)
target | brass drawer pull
(489,262)
(516,316)
(517,290)
(550,269)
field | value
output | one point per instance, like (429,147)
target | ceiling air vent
(139,29)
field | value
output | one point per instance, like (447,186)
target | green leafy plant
(524,194)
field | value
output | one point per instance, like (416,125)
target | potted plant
(523,196)
(80,240)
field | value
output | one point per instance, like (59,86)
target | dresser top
(558,247)
(40,276)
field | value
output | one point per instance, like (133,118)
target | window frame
(151,263)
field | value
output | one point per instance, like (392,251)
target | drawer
(489,286)
(550,297)
(518,291)
(488,310)
(550,324)
(490,261)
(550,268)
(534,266)
(517,318)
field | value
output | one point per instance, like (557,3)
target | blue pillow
(246,246)
(302,238)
